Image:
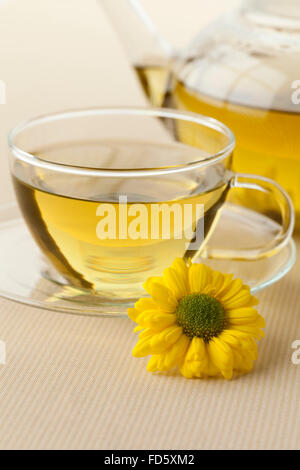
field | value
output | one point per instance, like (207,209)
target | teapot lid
(242,61)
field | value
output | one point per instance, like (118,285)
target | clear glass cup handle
(286,209)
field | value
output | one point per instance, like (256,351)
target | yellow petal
(260,321)
(133,314)
(251,351)
(147,333)
(157,363)
(245,362)
(186,370)
(242,362)
(250,329)
(209,289)
(197,350)
(176,352)
(180,266)
(230,339)
(142,304)
(142,348)
(227,373)
(210,369)
(240,341)
(242,299)
(175,282)
(199,367)
(150,281)
(233,289)
(138,328)
(217,279)
(222,357)
(239,335)
(152,365)
(196,359)
(161,295)
(156,319)
(145,303)
(242,316)
(161,363)
(199,277)
(161,342)
(225,286)
(172,334)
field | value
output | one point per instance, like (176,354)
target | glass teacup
(113,196)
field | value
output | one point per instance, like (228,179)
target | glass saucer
(26,277)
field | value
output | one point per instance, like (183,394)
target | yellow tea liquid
(154,81)
(267,140)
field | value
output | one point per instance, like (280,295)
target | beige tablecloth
(70,382)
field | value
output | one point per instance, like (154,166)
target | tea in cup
(113,196)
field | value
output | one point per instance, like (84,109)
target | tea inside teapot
(244,71)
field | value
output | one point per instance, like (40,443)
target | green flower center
(201,315)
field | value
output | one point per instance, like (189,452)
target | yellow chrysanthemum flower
(198,319)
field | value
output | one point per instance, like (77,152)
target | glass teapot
(244,70)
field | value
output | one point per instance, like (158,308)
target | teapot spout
(148,52)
